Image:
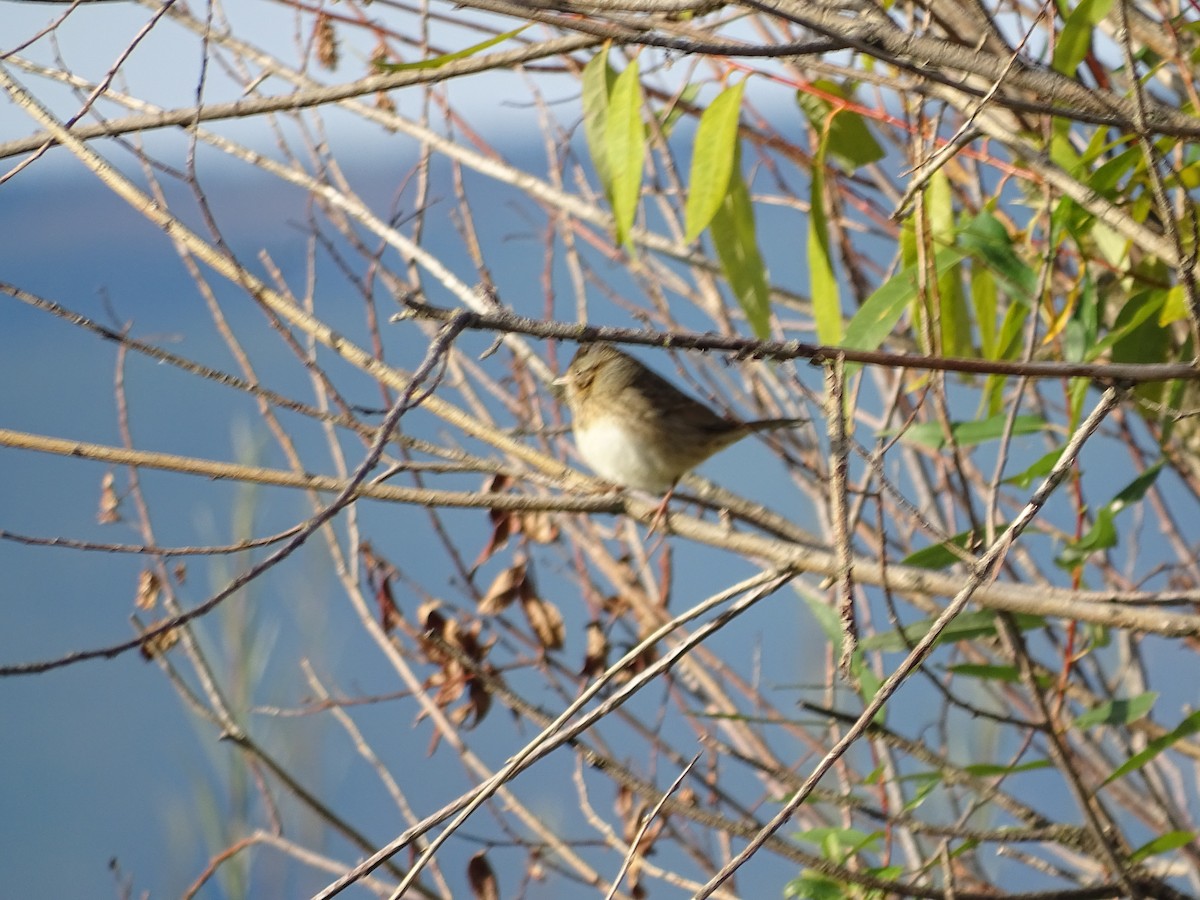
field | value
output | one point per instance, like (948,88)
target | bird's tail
(773,424)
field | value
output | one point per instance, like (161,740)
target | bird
(636,429)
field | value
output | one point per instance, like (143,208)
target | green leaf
(845,133)
(1174,308)
(1106,178)
(1086,318)
(714,152)
(983,298)
(733,235)
(1039,469)
(925,787)
(625,136)
(839,840)
(1164,843)
(1075,39)
(1007,346)
(1117,712)
(823,286)
(968,434)
(810,885)
(988,241)
(1132,325)
(1076,393)
(686,97)
(841,837)
(981,623)
(982,770)
(827,621)
(1186,728)
(881,311)
(851,144)
(988,770)
(1101,536)
(987,673)
(598,78)
(940,556)
(437,62)
(1136,489)
(953,318)
(868,684)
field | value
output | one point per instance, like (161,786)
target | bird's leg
(661,513)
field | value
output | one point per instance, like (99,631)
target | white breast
(614,455)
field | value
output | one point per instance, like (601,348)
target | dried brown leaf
(325,42)
(539,526)
(504,522)
(544,618)
(481,701)
(148,588)
(159,644)
(110,504)
(389,613)
(384,102)
(482,879)
(505,588)
(536,870)
(595,658)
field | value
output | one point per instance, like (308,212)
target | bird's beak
(558,387)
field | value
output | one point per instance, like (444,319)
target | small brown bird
(635,428)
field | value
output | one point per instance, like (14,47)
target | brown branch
(748,348)
(984,571)
(1101,607)
(407,400)
(146,549)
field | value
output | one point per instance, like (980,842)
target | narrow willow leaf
(1130,320)
(1186,728)
(826,618)
(1075,39)
(1106,179)
(625,136)
(868,686)
(841,843)
(1136,489)
(939,556)
(989,770)
(1039,469)
(1165,843)
(983,298)
(968,434)
(967,626)
(845,133)
(988,241)
(809,885)
(1117,712)
(436,62)
(1103,533)
(954,319)
(687,97)
(881,311)
(823,286)
(1008,346)
(1101,536)
(1174,309)
(734,237)
(598,78)
(1008,674)
(714,152)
